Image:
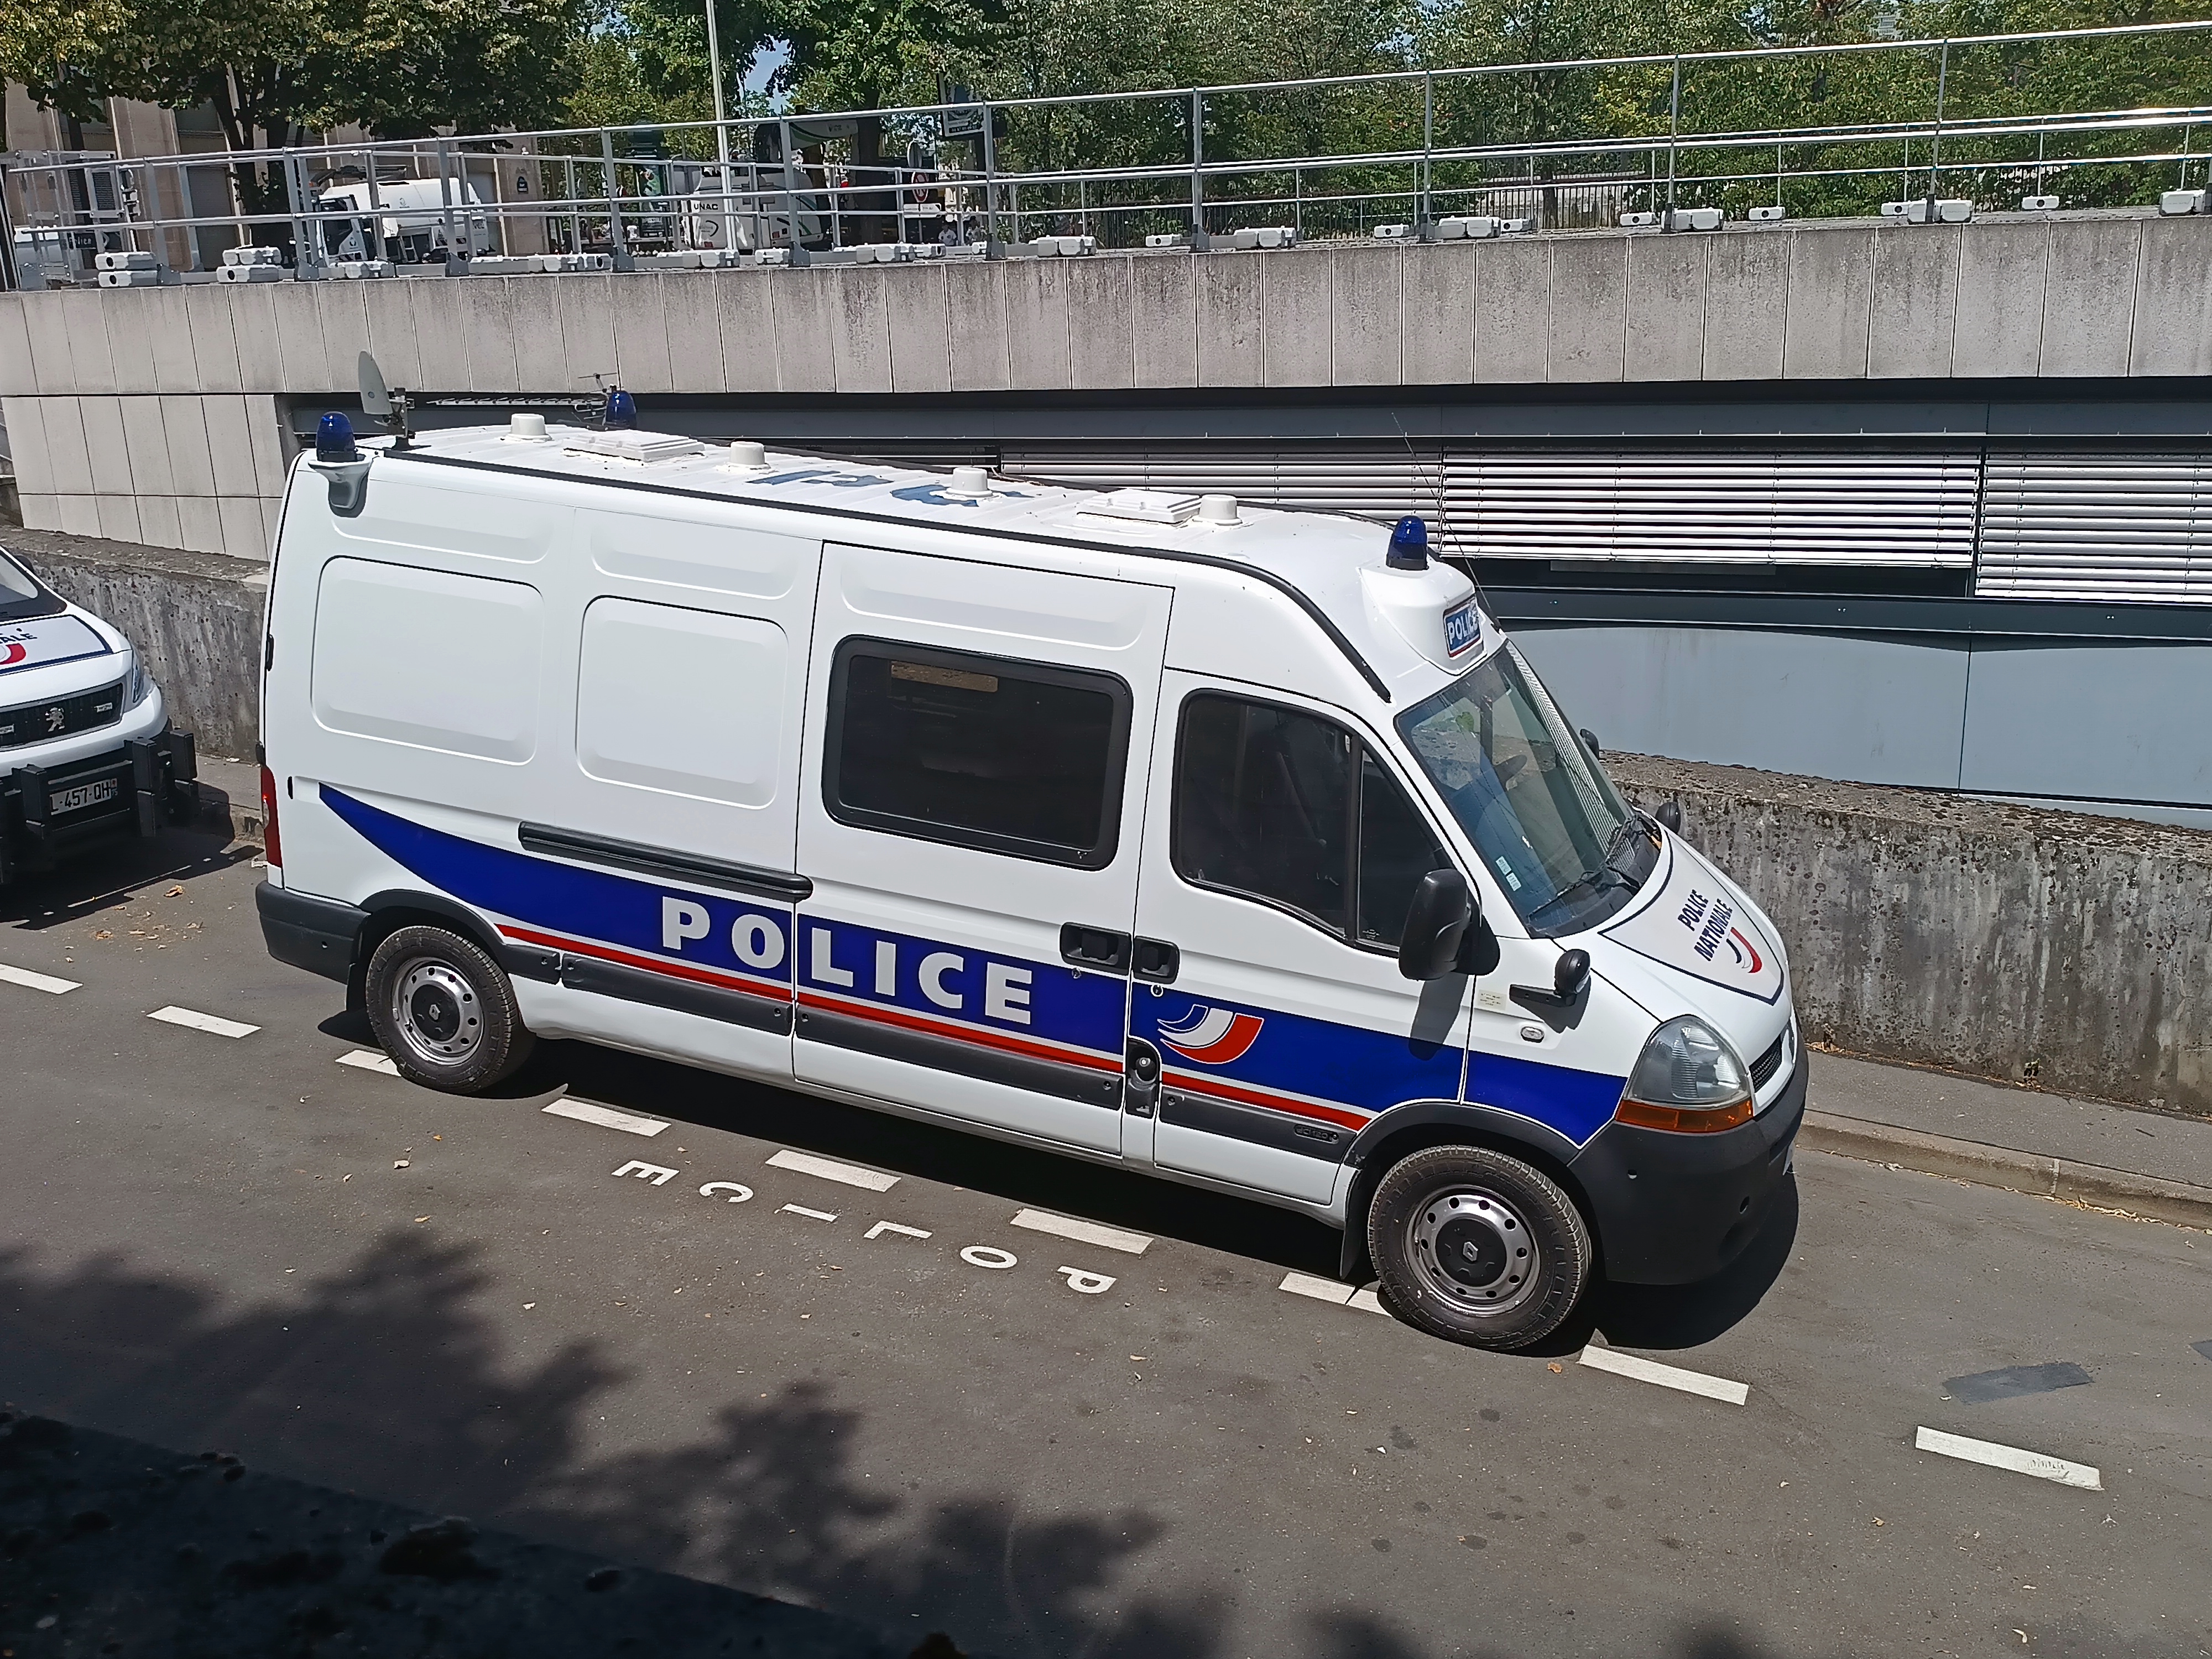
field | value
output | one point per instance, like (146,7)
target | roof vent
(628,444)
(973,481)
(1143,506)
(1217,509)
(746,456)
(526,429)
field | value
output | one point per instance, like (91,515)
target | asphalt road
(238,1242)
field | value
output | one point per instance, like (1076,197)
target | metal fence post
(992,247)
(1935,138)
(1425,226)
(616,240)
(1674,137)
(1199,241)
(446,208)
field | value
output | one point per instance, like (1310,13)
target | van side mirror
(1437,921)
(1590,741)
(1571,975)
(1670,815)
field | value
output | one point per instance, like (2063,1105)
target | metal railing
(1987,116)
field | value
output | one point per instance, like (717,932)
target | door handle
(1094,947)
(1157,961)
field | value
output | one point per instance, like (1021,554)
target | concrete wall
(2009,942)
(197,616)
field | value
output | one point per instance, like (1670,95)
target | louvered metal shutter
(2134,528)
(1896,509)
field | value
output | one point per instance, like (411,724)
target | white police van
(87,752)
(1237,846)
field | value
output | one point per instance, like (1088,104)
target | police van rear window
(1020,758)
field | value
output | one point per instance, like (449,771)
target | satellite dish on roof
(375,396)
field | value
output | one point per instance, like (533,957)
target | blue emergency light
(334,440)
(1409,544)
(622,410)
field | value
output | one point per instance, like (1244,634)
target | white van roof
(1318,560)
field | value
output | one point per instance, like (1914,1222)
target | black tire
(444,1011)
(1478,1247)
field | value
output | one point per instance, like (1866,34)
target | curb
(2036,1173)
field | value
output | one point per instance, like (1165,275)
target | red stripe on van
(712,976)
(899,1016)
(1207,1085)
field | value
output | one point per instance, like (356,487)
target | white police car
(1239,847)
(87,752)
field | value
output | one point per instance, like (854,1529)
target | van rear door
(975,785)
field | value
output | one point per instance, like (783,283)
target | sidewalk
(2150,1163)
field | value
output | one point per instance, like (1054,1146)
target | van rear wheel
(1478,1247)
(444,1011)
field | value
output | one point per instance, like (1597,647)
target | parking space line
(801,1209)
(193,1021)
(2041,1465)
(367,1060)
(1083,1232)
(1321,1290)
(1667,1376)
(30,982)
(590,1111)
(829,1168)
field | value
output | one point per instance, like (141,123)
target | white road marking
(30,982)
(801,1209)
(1322,1290)
(1083,1232)
(198,1022)
(1084,1284)
(2041,1465)
(367,1060)
(830,1170)
(1365,1301)
(882,1227)
(1667,1376)
(989,1256)
(590,1111)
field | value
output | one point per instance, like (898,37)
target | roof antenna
(1463,561)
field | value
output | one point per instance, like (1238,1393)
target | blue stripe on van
(750,938)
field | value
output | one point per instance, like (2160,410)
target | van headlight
(1687,1079)
(140,682)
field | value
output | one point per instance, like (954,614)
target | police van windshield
(1557,838)
(20,596)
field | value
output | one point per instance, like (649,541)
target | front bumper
(1671,1209)
(131,789)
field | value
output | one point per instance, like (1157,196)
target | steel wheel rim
(1473,1251)
(437,1012)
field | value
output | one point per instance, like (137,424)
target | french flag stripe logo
(1213,1037)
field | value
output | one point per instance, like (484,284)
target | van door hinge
(268,653)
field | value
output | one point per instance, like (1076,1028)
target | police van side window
(1019,758)
(1289,808)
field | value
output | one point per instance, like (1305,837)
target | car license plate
(83,795)
(1461,628)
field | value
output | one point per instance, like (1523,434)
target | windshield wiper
(1594,880)
(1617,845)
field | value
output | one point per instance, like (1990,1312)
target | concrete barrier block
(976,317)
(488,325)
(640,315)
(92,363)
(1436,315)
(191,463)
(271,449)
(118,517)
(176,315)
(230,445)
(2089,310)
(242,530)
(1365,296)
(1294,314)
(18,375)
(587,306)
(1037,324)
(744,304)
(1512,310)
(1230,317)
(693,310)
(860,324)
(2172,332)
(1589,309)
(68,462)
(1747,306)
(145,441)
(1831,299)
(1102,350)
(81,514)
(344,307)
(25,419)
(255,362)
(804,317)
(201,521)
(920,329)
(539,363)
(391,311)
(306,366)
(2001,268)
(158,523)
(128,312)
(47,331)
(1164,302)
(440,337)
(1666,316)
(41,512)
(1913,320)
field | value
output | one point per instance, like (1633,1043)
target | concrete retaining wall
(197,616)
(2006,941)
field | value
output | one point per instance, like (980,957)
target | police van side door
(976,772)
(1279,863)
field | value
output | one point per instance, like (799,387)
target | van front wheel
(444,1011)
(1478,1247)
